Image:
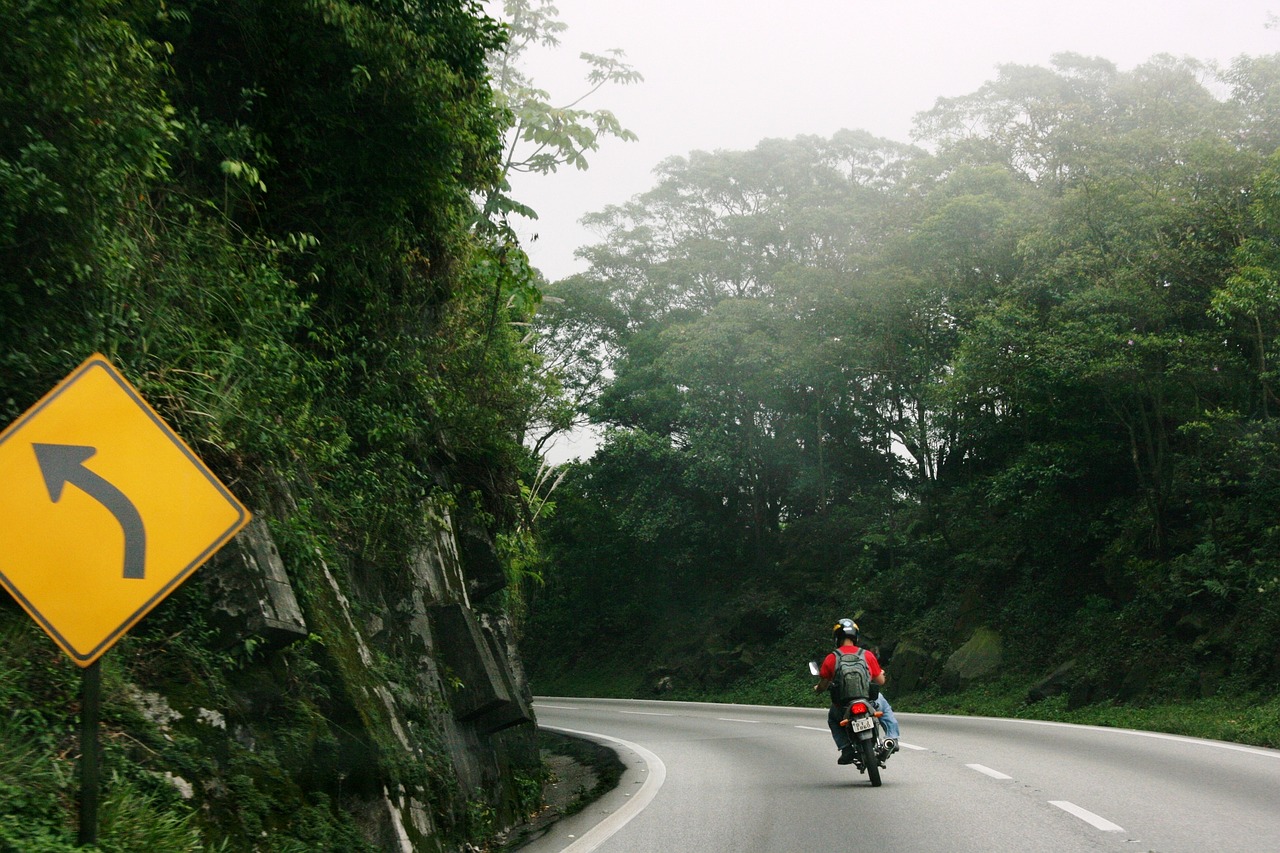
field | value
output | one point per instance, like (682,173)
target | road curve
(708,778)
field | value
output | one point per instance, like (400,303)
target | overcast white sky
(725,74)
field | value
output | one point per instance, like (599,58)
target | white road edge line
(994,774)
(812,729)
(1087,816)
(645,714)
(602,831)
(1216,744)
(557,707)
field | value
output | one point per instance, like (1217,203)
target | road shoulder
(579,773)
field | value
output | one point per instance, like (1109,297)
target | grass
(1245,718)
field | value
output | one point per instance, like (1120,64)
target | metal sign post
(90,784)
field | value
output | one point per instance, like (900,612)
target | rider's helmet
(845,629)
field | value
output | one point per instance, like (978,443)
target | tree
(542,136)
(723,225)
(1249,300)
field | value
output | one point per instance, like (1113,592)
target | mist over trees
(1020,374)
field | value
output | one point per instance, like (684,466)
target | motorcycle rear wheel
(870,761)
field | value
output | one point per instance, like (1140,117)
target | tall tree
(540,138)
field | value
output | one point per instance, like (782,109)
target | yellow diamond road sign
(104,510)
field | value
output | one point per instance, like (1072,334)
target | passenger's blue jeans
(840,733)
(889,721)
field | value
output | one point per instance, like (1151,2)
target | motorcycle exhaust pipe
(890,744)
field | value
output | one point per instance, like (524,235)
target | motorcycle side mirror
(813,667)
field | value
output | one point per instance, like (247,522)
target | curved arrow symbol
(64,463)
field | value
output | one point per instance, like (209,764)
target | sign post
(105,511)
(90,750)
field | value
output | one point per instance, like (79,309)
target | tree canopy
(1021,373)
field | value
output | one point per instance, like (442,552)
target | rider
(845,635)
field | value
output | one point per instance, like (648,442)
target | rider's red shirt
(828,669)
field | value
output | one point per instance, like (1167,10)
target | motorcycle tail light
(858,708)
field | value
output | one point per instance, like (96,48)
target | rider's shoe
(847,756)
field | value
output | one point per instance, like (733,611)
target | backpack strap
(836,686)
(861,652)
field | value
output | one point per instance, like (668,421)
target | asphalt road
(750,779)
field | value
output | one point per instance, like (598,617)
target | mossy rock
(977,659)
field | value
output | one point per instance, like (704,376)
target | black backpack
(852,678)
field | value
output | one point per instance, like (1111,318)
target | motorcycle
(871,747)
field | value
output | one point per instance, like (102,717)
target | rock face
(428,715)
(487,694)
(252,592)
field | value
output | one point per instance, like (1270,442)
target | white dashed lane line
(1096,821)
(1087,816)
(734,720)
(994,774)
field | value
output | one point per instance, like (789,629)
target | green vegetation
(1016,382)
(38,778)
(1243,718)
(275,784)
(270,216)
(1013,383)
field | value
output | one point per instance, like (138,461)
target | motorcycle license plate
(862,725)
